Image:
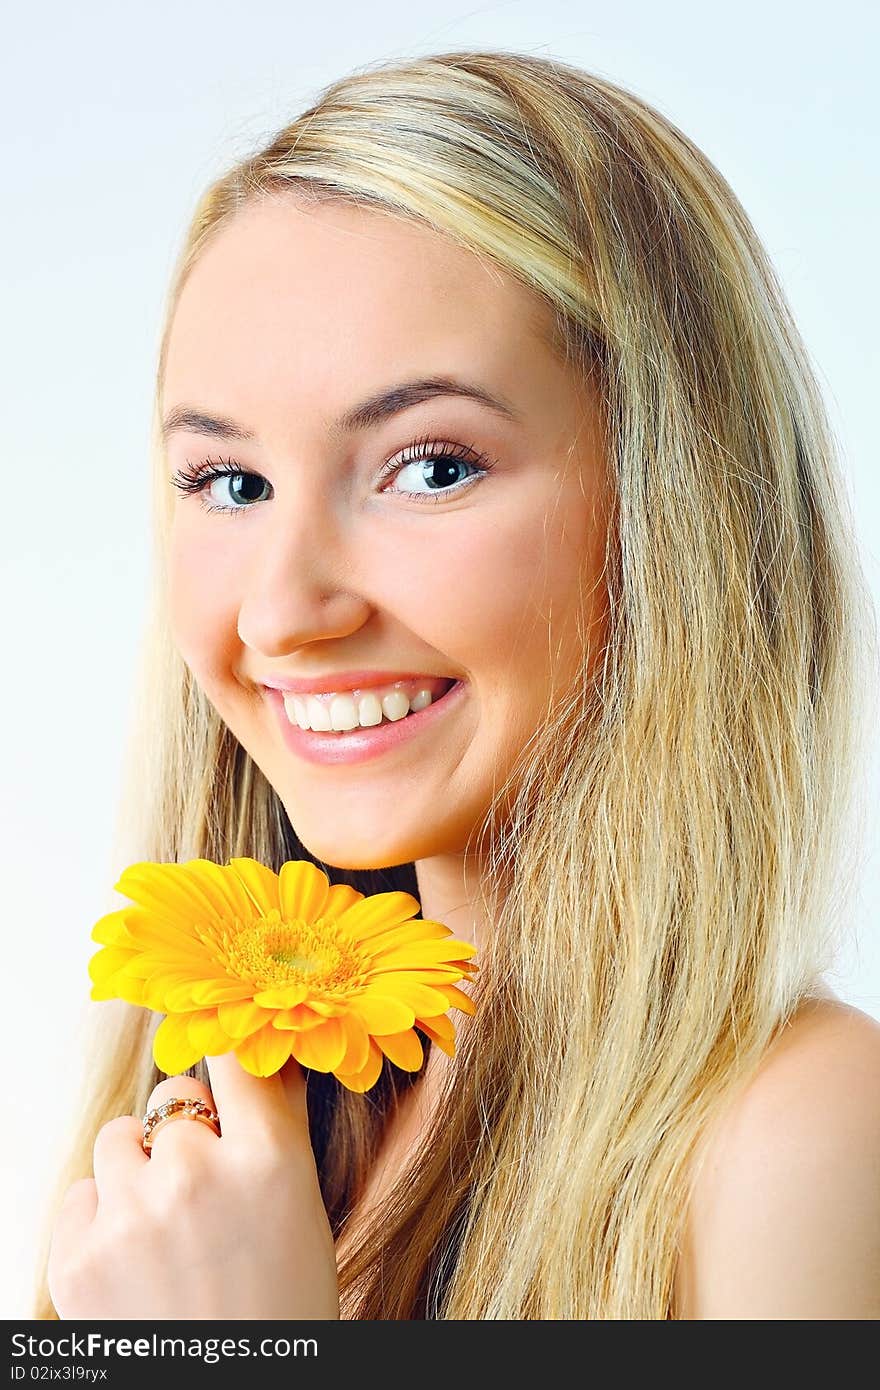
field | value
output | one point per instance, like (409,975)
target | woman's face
(315,563)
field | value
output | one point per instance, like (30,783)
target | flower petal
(152,931)
(201,994)
(433,975)
(430,1028)
(260,883)
(458,999)
(111,930)
(413,954)
(162,889)
(328,1007)
(145,964)
(217,991)
(106,962)
(340,898)
(159,986)
(368,1075)
(376,914)
(400,934)
(265,1052)
(241,1017)
(441,1025)
(118,987)
(173,1050)
(204,1031)
(357,1039)
(322,1048)
(383,1015)
(403,1049)
(281,996)
(303,890)
(419,998)
(221,887)
(301,1017)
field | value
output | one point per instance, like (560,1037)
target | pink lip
(359,745)
(343,681)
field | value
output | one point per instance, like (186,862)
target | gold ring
(190,1107)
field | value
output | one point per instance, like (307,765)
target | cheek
(202,607)
(511,586)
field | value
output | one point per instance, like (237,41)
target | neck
(449,892)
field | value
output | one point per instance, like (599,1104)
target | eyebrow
(367,414)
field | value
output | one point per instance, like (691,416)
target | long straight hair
(667,864)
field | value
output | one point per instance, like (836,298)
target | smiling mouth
(364,709)
(341,747)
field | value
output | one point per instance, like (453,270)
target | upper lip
(344,680)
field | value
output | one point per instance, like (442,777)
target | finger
(69,1236)
(185,1130)
(118,1154)
(293,1079)
(77,1211)
(183,1087)
(247,1103)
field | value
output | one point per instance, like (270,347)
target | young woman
(477,381)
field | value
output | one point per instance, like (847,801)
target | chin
(348,862)
(352,852)
(370,850)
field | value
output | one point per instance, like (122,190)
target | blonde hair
(672,841)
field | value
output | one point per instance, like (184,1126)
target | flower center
(272,951)
(298,962)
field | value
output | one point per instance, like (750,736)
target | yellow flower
(241,959)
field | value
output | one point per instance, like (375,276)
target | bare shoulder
(784,1220)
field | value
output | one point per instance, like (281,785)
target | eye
(443,475)
(195,478)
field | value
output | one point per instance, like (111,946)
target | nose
(298,588)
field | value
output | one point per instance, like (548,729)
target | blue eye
(446,460)
(194,479)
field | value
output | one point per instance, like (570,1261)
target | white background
(114,118)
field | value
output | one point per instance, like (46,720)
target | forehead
(327,297)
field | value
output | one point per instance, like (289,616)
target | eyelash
(194,478)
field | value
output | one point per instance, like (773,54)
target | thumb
(293,1080)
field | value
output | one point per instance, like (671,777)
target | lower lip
(359,745)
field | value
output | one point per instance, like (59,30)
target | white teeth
(395,705)
(317,714)
(345,712)
(296,711)
(369,710)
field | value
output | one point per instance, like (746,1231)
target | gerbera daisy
(241,959)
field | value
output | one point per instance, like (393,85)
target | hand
(205,1226)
